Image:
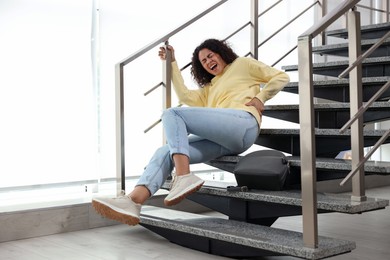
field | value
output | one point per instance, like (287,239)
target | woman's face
(211,61)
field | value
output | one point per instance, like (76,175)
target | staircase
(247,231)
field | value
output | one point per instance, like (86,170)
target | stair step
(338,90)
(329,142)
(327,164)
(328,202)
(329,115)
(341,49)
(198,227)
(372,67)
(373,31)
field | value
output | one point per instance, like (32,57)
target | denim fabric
(202,134)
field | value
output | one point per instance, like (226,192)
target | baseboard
(37,222)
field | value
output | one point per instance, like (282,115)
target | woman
(223,117)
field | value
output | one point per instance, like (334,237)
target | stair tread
(262,237)
(366,29)
(338,89)
(319,132)
(342,63)
(378,167)
(338,46)
(325,201)
(325,106)
(338,82)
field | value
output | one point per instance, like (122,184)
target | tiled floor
(370,231)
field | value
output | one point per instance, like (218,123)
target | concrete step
(329,142)
(341,49)
(338,90)
(371,67)
(329,115)
(236,239)
(373,31)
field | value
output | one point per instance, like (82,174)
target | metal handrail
(247,54)
(168,35)
(287,24)
(306,115)
(329,18)
(284,55)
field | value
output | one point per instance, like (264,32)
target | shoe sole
(183,196)
(109,213)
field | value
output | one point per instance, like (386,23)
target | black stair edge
(341,63)
(329,164)
(319,132)
(377,167)
(342,46)
(342,82)
(325,201)
(326,106)
(284,242)
(343,33)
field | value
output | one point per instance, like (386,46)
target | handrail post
(254,29)
(321,11)
(307,142)
(386,7)
(356,102)
(120,133)
(167,89)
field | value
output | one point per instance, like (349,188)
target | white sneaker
(183,186)
(122,209)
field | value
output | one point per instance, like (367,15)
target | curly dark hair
(221,47)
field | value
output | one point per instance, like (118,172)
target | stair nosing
(286,242)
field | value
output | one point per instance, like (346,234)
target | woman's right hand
(162,53)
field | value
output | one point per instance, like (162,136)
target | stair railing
(306,115)
(358,115)
(309,200)
(119,96)
(254,40)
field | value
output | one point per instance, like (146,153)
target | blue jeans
(202,134)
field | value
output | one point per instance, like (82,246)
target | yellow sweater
(234,87)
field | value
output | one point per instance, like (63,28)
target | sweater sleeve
(274,79)
(185,95)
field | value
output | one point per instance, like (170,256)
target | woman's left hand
(257,104)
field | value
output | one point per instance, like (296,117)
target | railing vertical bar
(167,89)
(356,102)
(386,14)
(321,13)
(254,29)
(307,144)
(119,124)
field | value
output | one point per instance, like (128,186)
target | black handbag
(262,170)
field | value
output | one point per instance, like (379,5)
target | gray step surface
(338,90)
(325,201)
(280,241)
(329,115)
(341,49)
(327,164)
(329,142)
(373,31)
(371,67)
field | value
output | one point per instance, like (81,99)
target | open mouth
(213,67)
